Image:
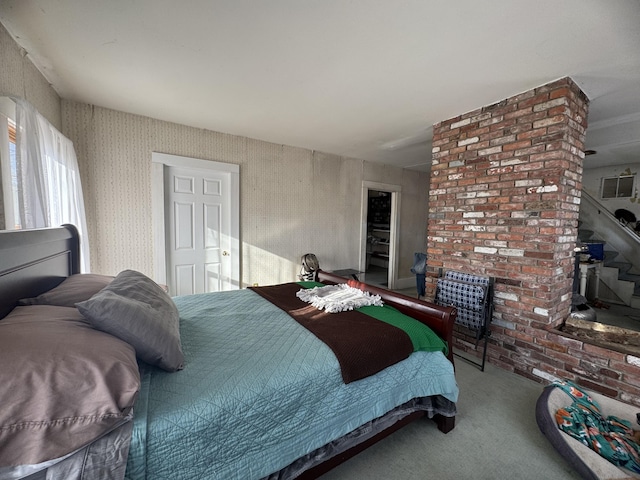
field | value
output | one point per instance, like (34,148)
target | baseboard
(407,282)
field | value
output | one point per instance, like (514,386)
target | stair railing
(607,228)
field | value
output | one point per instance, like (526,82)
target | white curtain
(49,189)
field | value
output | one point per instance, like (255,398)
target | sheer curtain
(48,178)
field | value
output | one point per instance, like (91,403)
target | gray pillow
(135,309)
(73,289)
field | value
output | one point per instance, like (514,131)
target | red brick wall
(504,202)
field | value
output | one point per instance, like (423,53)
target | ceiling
(359,78)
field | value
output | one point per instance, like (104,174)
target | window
(9,174)
(39,174)
(8,171)
(15,221)
(618,187)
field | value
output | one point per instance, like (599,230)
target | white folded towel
(338,298)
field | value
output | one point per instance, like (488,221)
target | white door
(199,248)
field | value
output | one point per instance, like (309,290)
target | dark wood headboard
(34,261)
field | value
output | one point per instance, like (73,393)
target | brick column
(504,201)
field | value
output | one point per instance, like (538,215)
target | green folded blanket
(422,337)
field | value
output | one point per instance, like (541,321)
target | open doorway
(379,232)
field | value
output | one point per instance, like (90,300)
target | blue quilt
(251,400)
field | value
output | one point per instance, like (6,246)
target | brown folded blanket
(362,344)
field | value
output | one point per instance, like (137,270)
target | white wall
(19,77)
(592,179)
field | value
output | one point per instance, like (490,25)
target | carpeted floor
(496,437)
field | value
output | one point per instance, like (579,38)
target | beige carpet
(496,437)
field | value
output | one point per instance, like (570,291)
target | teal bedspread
(251,400)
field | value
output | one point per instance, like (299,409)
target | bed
(295,413)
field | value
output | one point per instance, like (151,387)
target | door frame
(394,227)
(159,162)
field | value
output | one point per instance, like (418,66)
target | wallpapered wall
(19,77)
(292,200)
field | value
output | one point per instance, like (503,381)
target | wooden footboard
(440,319)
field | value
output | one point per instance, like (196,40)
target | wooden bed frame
(440,319)
(34,261)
